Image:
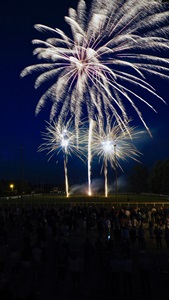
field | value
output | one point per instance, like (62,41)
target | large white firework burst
(102,67)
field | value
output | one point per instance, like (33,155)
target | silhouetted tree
(159,177)
(138,179)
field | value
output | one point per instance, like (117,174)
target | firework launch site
(118,201)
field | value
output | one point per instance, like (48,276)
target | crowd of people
(75,240)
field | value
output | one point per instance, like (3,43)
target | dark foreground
(59,254)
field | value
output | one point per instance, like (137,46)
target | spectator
(88,254)
(145,267)
(133,237)
(141,237)
(74,265)
(158,236)
(166,235)
(115,269)
(126,268)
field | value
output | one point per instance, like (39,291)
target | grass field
(118,200)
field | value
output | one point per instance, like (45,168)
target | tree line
(155,180)
(139,180)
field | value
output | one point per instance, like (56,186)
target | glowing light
(61,138)
(11,186)
(104,64)
(107,146)
(114,145)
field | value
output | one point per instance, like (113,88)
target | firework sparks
(61,138)
(89,156)
(114,145)
(103,66)
(102,71)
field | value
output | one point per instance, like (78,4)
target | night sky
(20,130)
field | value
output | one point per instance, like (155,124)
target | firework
(103,65)
(114,145)
(61,139)
(89,156)
(102,70)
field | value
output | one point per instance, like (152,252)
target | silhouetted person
(144,264)
(158,236)
(88,254)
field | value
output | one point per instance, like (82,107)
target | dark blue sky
(18,125)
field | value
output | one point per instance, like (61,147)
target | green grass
(120,199)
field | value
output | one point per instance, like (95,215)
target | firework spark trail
(114,145)
(61,138)
(105,176)
(90,156)
(115,167)
(66,175)
(103,66)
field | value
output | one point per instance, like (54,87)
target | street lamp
(11,186)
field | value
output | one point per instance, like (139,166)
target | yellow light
(12,186)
